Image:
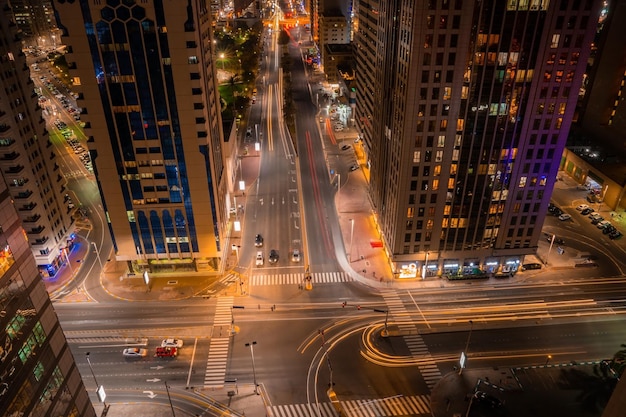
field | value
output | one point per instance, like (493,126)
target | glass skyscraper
(464,108)
(145,77)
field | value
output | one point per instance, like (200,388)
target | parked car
(597,220)
(603,224)
(615,235)
(166,352)
(564,217)
(134,352)
(345,147)
(531,266)
(582,207)
(609,229)
(354,167)
(273,258)
(177,343)
(259,259)
(587,211)
(489,400)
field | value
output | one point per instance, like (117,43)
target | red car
(166,352)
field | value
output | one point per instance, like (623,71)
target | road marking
(296,279)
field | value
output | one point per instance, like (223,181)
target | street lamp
(97,254)
(99,389)
(469,335)
(351,239)
(256,386)
(548,359)
(222,56)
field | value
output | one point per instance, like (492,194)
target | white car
(582,207)
(134,352)
(295,256)
(564,217)
(177,343)
(259,258)
(603,224)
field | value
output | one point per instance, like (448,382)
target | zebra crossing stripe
(223,311)
(414,342)
(297,279)
(416,405)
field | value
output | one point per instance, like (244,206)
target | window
(555,40)
(192,60)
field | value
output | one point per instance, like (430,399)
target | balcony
(18,182)
(16,169)
(40,241)
(36,230)
(4,128)
(5,142)
(10,156)
(32,219)
(28,207)
(23,195)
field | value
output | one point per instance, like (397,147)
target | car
(615,235)
(166,352)
(582,207)
(597,220)
(134,352)
(487,399)
(258,241)
(557,240)
(249,132)
(345,147)
(259,258)
(531,266)
(603,224)
(587,211)
(564,217)
(354,167)
(608,230)
(557,212)
(273,258)
(171,342)
(295,256)
(595,216)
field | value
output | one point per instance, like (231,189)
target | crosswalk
(296,279)
(220,344)
(416,405)
(429,370)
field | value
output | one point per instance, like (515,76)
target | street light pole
(97,385)
(167,388)
(97,254)
(469,335)
(251,346)
(351,239)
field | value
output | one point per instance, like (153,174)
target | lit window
(555,40)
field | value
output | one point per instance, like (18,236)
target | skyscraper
(27,160)
(145,76)
(38,375)
(464,107)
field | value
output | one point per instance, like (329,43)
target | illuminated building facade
(27,159)
(38,375)
(145,77)
(464,108)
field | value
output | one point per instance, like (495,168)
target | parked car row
(605,225)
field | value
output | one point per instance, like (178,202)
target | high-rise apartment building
(38,375)
(464,107)
(27,159)
(146,82)
(35,19)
